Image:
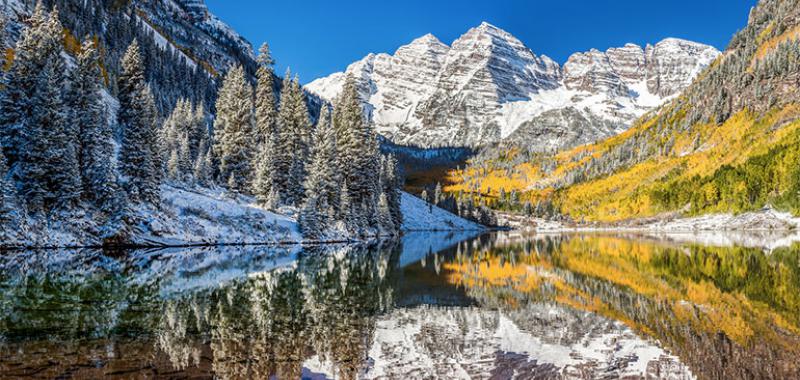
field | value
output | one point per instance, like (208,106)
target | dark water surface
(432,306)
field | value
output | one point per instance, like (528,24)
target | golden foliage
(769,45)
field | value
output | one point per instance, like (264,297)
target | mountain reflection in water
(437,305)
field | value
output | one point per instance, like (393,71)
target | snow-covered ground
(766,228)
(199,216)
(421,216)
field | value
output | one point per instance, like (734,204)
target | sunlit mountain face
(496,306)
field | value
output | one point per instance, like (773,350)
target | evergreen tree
(291,148)
(266,114)
(262,185)
(56,158)
(322,182)
(391,187)
(149,119)
(16,111)
(202,166)
(98,175)
(139,161)
(385,219)
(311,224)
(266,120)
(357,151)
(234,130)
(8,196)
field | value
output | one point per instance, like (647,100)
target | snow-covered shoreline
(197,217)
(766,228)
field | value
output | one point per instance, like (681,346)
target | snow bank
(201,216)
(419,215)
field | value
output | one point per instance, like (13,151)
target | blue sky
(316,38)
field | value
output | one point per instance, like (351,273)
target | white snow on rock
(419,215)
(487,84)
(467,343)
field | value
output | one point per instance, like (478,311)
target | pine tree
(139,154)
(262,185)
(385,219)
(357,149)
(311,224)
(31,54)
(391,187)
(98,175)
(322,182)
(202,169)
(149,117)
(291,147)
(266,114)
(233,127)
(266,120)
(56,160)
(8,197)
(173,166)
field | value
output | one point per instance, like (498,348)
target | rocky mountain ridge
(487,85)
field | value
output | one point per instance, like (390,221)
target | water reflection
(431,306)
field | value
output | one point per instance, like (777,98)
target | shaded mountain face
(185,48)
(487,84)
(188,24)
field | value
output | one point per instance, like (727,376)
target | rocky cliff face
(188,25)
(487,84)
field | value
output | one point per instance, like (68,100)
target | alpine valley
(171,207)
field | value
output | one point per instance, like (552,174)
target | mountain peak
(487,26)
(427,40)
(487,84)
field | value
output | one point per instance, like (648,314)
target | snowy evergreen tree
(98,174)
(292,143)
(139,154)
(203,173)
(358,158)
(31,54)
(262,184)
(39,144)
(392,183)
(322,182)
(311,223)
(385,219)
(56,159)
(8,196)
(266,113)
(234,130)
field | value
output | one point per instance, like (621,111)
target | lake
(433,305)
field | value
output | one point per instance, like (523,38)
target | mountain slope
(487,85)
(729,143)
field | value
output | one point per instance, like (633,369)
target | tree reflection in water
(497,306)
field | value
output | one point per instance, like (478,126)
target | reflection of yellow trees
(742,293)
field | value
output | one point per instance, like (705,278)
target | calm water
(430,306)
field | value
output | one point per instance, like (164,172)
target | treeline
(60,160)
(332,172)
(461,204)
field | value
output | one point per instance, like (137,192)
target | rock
(488,85)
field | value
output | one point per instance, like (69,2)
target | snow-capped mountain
(488,86)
